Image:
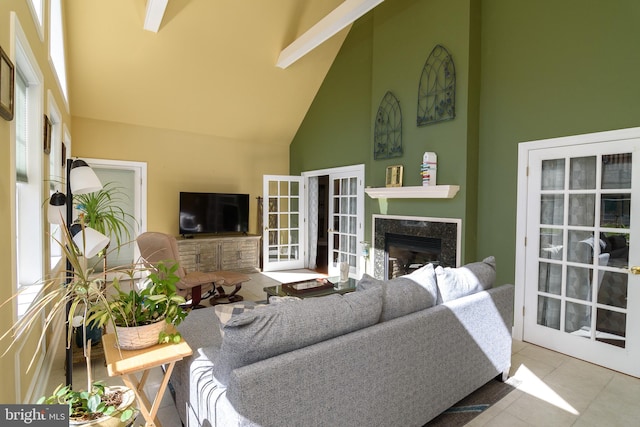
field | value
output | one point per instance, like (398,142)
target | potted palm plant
(68,295)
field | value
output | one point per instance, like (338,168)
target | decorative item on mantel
(387,136)
(437,88)
(394,176)
(429,168)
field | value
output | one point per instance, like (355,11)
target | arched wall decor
(437,88)
(387,137)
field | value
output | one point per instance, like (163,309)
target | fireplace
(402,244)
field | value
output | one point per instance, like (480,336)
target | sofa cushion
(406,294)
(259,334)
(454,283)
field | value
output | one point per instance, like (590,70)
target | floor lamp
(81,179)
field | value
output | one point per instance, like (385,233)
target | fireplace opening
(405,254)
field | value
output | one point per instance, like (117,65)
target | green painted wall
(386,51)
(525,71)
(549,68)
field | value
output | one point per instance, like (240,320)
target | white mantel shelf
(419,192)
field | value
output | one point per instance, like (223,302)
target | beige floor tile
(537,412)
(543,355)
(517,346)
(520,364)
(504,419)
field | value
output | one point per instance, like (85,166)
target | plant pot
(138,337)
(94,333)
(128,399)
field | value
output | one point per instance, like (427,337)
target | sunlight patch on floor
(291,276)
(534,386)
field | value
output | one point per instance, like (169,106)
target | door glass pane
(615,210)
(273,188)
(336,187)
(353,205)
(273,237)
(551,244)
(352,225)
(577,319)
(612,289)
(552,174)
(273,253)
(582,175)
(284,220)
(273,221)
(294,220)
(549,312)
(295,202)
(579,283)
(273,204)
(616,171)
(344,186)
(294,237)
(284,188)
(617,247)
(552,209)
(295,188)
(582,209)
(611,327)
(353,186)
(284,205)
(580,246)
(550,278)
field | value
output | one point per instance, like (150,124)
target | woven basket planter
(137,337)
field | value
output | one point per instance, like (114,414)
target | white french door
(283,218)
(346,210)
(580,213)
(130,178)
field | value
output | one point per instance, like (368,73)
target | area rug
(472,406)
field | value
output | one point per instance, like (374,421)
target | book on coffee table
(308,286)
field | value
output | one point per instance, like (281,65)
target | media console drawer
(236,253)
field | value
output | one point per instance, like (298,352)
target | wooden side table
(127,363)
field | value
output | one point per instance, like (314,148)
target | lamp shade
(83,179)
(88,240)
(57,208)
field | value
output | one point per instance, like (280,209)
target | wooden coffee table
(315,289)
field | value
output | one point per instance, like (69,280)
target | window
(56,45)
(28,140)
(56,178)
(37,10)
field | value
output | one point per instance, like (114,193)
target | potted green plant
(101,211)
(139,316)
(101,406)
(70,295)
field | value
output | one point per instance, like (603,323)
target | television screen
(202,213)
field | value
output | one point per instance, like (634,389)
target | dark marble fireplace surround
(446,229)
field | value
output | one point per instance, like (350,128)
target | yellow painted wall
(8,364)
(179,161)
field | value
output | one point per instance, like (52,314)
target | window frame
(28,208)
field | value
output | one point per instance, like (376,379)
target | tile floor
(552,389)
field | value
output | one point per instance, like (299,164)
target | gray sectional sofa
(393,353)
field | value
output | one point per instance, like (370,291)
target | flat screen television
(213,213)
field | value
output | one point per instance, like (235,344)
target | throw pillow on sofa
(455,283)
(225,312)
(406,294)
(280,328)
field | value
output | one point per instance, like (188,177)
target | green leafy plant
(89,405)
(157,301)
(101,211)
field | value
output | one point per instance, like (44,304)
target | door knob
(635,270)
